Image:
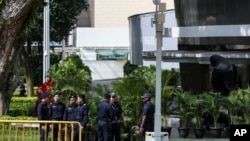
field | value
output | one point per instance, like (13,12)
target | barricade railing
(29,130)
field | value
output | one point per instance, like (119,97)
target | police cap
(57,93)
(107,96)
(81,96)
(44,95)
(113,94)
(146,95)
(72,96)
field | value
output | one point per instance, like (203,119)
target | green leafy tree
(63,16)
(71,76)
(36,63)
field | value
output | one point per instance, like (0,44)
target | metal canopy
(201,57)
(209,31)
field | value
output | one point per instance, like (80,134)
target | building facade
(205,28)
(101,36)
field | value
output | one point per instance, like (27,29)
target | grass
(14,134)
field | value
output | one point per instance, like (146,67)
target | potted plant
(197,104)
(232,109)
(182,99)
(167,92)
(213,108)
(169,80)
(243,103)
(237,105)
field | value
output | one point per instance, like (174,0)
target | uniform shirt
(42,111)
(105,111)
(148,110)
(70,113)
(117,111)
(82,114)
(56,110)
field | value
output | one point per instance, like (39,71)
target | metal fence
(26,130)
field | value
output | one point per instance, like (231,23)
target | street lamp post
(159,20)
(46,41)
(63,49)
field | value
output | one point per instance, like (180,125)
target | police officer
(82,114)
(119,118)
(104,117)
(56,112)
(147,116)
(70,115)
(43,114)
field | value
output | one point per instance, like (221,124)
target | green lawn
(20,134)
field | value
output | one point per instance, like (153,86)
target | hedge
(22,106)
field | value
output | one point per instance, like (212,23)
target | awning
(120,53)
(105,54)
(201,57)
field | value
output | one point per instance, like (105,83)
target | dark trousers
(55,132)
(75,133)
(116,132)
(44,133)
(148,127)
(76,136)
(104,131)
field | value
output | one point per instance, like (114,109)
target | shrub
(22,106)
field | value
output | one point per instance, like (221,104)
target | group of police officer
(77,110)
(109,116)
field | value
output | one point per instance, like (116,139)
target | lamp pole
(46,41)
(63,48)
(159,20)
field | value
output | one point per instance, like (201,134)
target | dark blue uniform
(43,114)
(148,110)
(116,123)
(82,117)
(82,114)
(56,112)
(105,116)
(70,115)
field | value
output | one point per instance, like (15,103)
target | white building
(102,34)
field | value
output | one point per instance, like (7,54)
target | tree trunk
(12,80)
(13,16)
(28,73)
